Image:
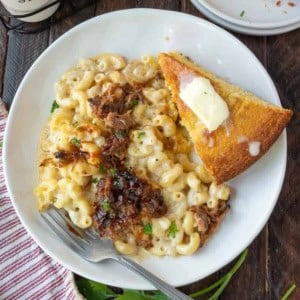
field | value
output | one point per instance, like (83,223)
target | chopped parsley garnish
(120,134)
(134,103)
(113,171)
(173,229)
(101,169)
(54,106)
(140,134)
(147,228)
(205,92)
(75,141)
(94,180)
(105,204)
(242,13)
(1,144)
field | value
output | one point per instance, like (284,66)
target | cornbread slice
(252,127)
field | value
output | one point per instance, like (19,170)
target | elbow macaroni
(159,151)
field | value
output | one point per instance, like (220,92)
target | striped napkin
(26,272)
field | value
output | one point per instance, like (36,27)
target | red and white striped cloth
(26,272)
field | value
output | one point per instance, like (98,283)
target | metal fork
(95,249)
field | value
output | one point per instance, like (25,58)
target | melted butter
(200,96)
(254,148)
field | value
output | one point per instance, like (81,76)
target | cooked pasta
(114,126)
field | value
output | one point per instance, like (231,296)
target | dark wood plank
(22,51)
(107,5)
(3,47)
(251,281)
(67,23)
(284,67)
(165,4)
(188,7)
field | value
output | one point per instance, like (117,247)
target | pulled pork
(66,157)
(119,122)
(117,99)
(114,106)
(207,220)
(116,145)
(122,203)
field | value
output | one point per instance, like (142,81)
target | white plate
(134,33)
(242,29)
(260,14)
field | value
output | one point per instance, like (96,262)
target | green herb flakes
(242,13)
(140,134)
(113,171)
(147,228)
(134,103)
(101,169)
(75,141)
(105,204)
(54,106)
(94,180)
(173,229)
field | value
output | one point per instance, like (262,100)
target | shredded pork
(117,99)
(207,220)
(122,202)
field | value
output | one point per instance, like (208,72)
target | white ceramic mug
(21,7)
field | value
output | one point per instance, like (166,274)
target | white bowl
(133,33)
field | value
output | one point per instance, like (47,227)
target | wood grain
(188,7)
(283,62)
(107,5)
(165,4)
(58,29)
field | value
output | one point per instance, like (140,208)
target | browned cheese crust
(250,117)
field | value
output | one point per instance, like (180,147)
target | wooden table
(273,262)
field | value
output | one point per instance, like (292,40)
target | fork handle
(170,291)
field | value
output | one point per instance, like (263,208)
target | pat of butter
(200,96)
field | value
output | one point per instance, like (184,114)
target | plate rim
(249,24)
(42,244)
(241,29)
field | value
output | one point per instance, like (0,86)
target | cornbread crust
(225,151)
